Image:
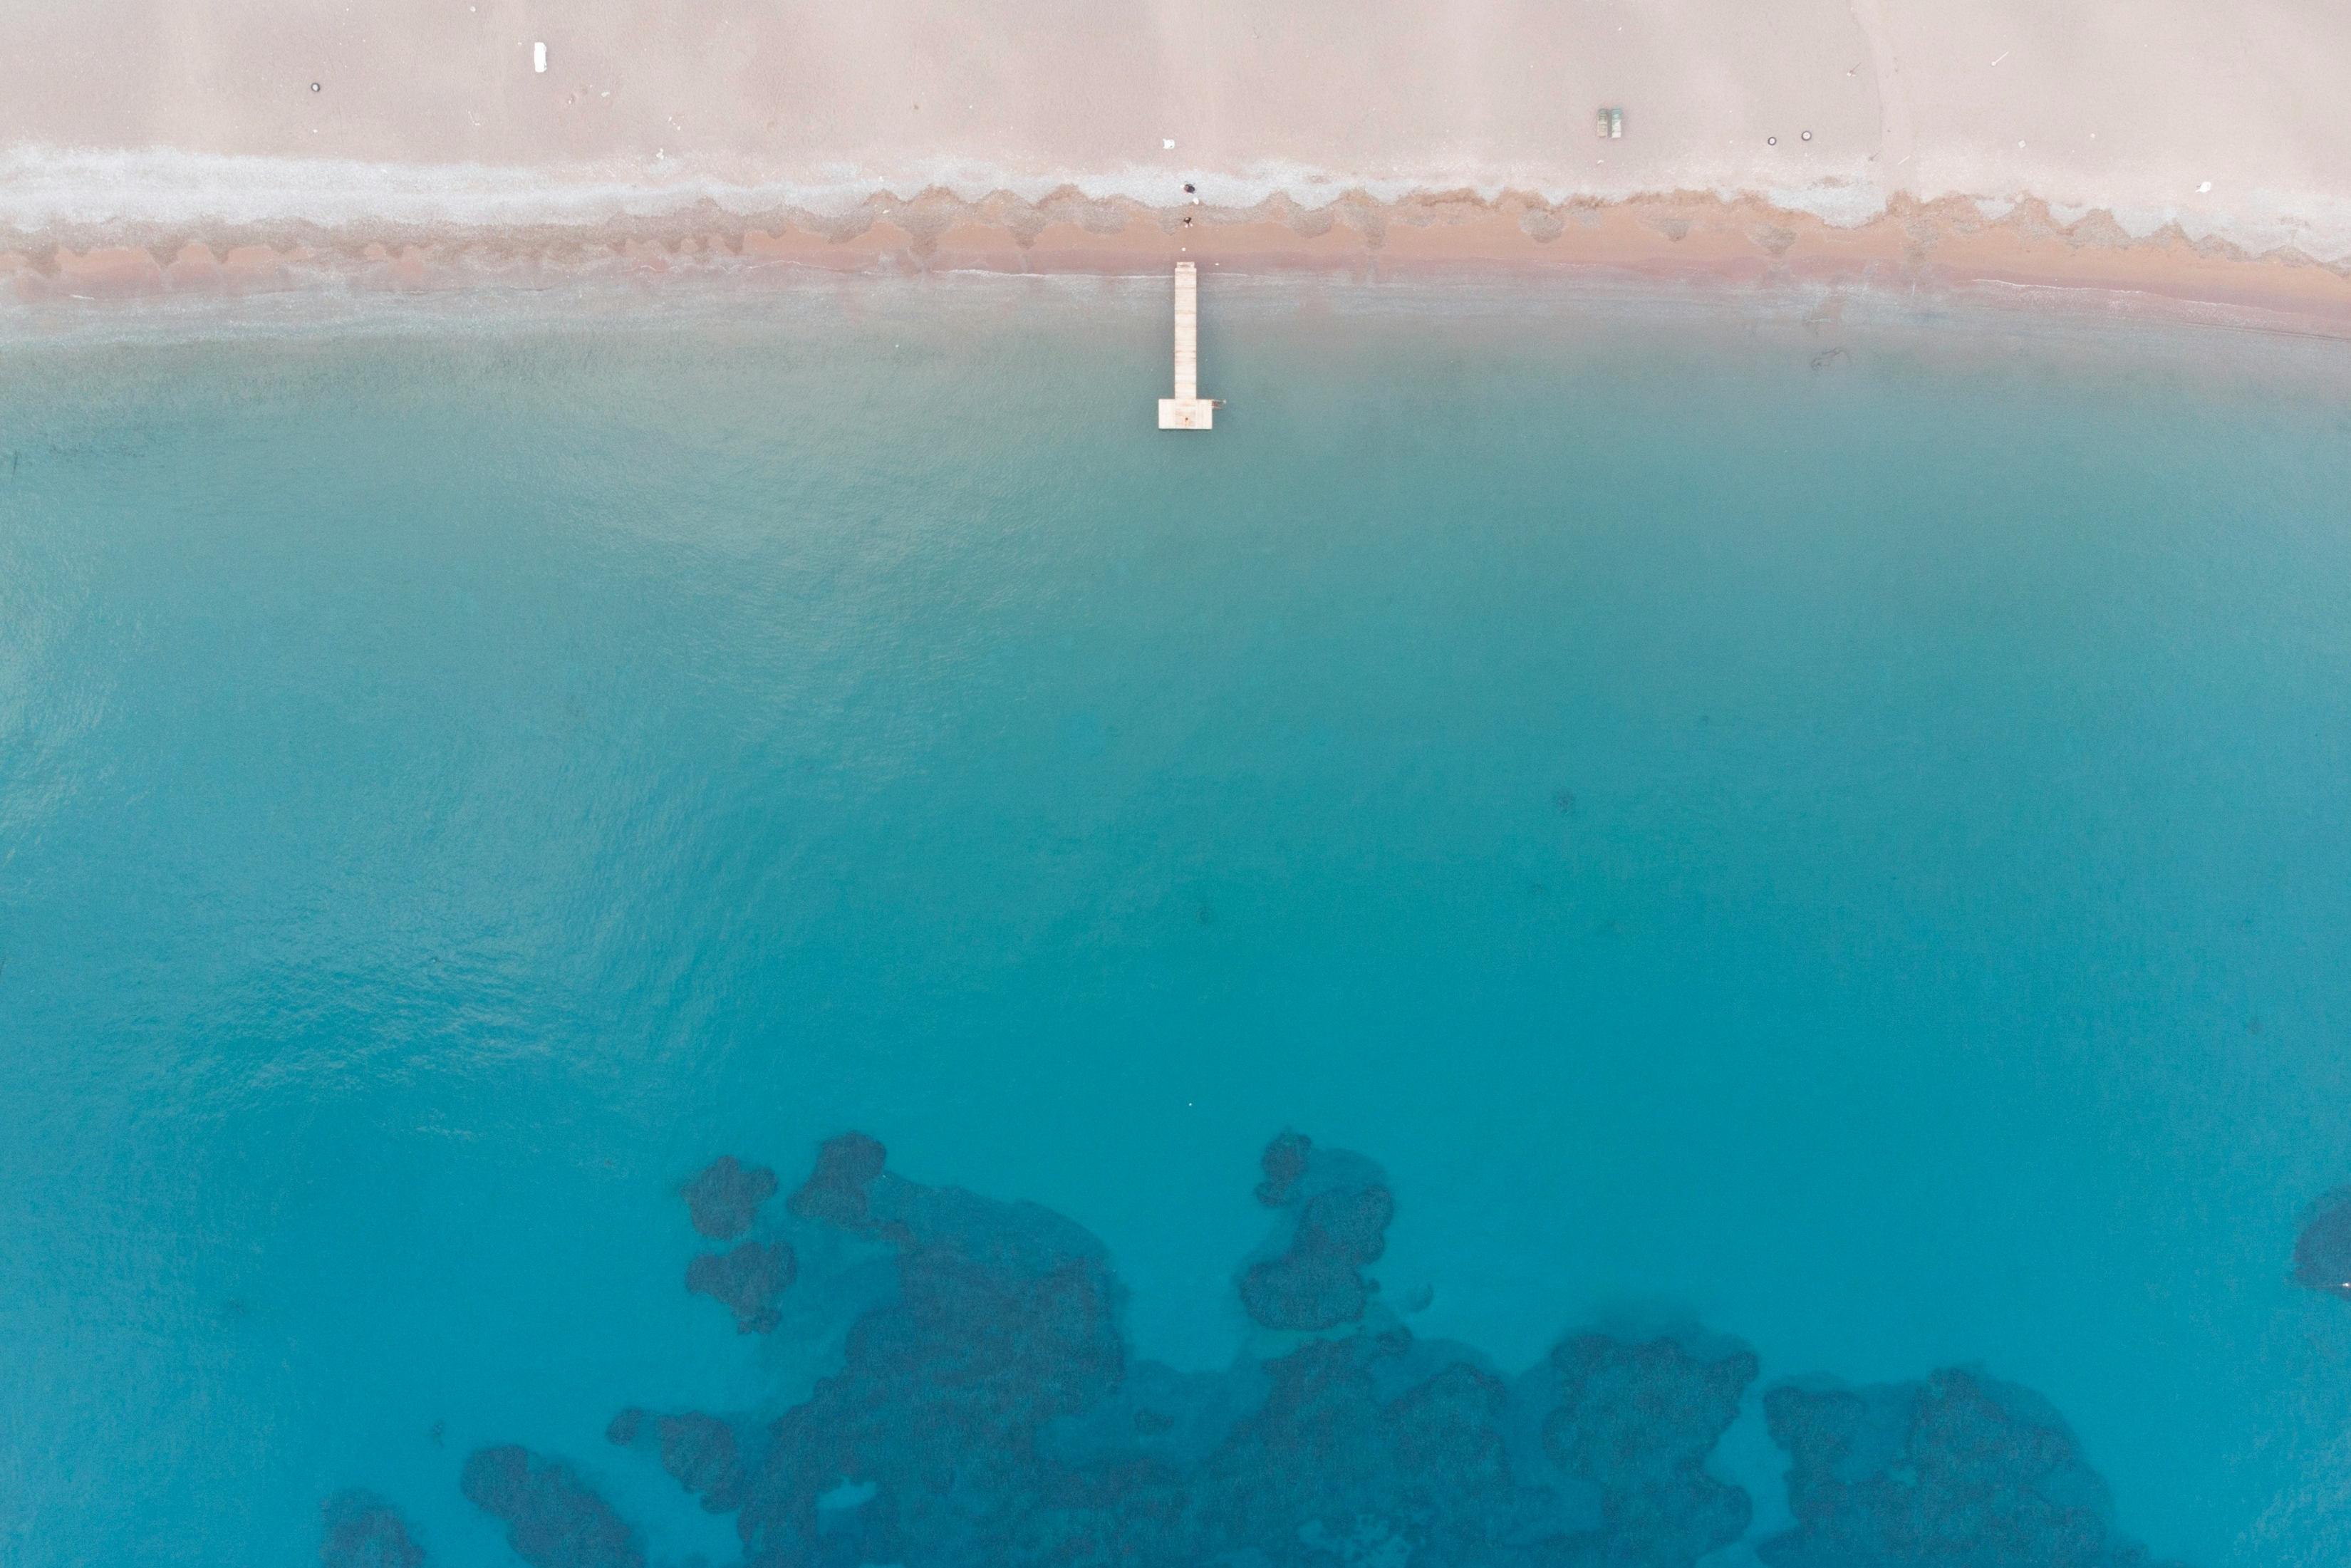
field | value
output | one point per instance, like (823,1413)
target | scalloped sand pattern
(1699,236)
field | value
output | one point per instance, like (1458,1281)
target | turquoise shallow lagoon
(1830,831)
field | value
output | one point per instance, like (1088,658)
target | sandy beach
(2171,152)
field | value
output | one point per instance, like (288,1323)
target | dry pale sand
(2173,149)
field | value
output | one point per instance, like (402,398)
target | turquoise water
(1848,855)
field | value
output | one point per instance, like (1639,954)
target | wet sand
(1930,248)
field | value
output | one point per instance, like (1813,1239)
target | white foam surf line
(44,189)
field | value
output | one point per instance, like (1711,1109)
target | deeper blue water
(1851,856)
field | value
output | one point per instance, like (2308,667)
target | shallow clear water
(1849,856)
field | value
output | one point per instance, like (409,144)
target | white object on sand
(538,58)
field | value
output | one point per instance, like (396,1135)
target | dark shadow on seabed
(988,1413)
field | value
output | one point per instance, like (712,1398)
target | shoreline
(1737,242)
(2179,155)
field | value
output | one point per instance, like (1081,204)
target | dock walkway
(1187,409)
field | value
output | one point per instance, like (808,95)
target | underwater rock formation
(1372,1448)
(1319,1283)
(987,1412)
(1284,1162)
(554,1519)
(747,1280)
(1004,1319)
(984,1409)
(363,1530)
(834,1192)
(1636,1422)
(724,1199)
(1954,1472)
(2322,1253)
(1344,1208)
(698,1451)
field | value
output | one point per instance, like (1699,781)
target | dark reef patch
(747,1280)
(984,1410)
(1284,1163)
(1954,1472)
(554,1519)
(2322,1253)
(987,1412)
(1319,1283)
(834,1192)
(724,1199)
(700,1453)
(1342,1207)
(1636,1422)
(363,1530)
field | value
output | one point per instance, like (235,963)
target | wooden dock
(1187,409)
